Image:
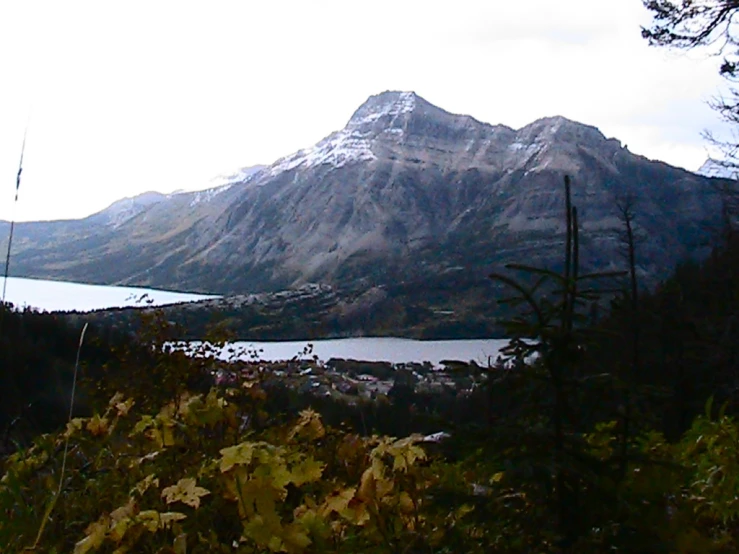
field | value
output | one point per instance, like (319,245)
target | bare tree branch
(689,24)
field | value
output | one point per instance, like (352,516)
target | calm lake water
(65,296)
(394,350)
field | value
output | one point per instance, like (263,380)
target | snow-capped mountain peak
(354,142)
(388,104)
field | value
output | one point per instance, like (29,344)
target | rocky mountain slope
(406,194)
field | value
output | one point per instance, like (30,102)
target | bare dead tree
(689,23)
(629,236)
(712,26)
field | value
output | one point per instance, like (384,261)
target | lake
(53,296)
(380,349)
(67,296)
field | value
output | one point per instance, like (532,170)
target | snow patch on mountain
(516,146)
(338,149)
(388,104)
(208,195)
(354,142)
(242,175)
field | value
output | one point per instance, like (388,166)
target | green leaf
(709,407)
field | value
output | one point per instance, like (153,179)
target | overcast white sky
(134,96)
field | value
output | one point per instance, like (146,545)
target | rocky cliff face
(404,193)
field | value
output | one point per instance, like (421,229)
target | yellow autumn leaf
(463,510)
(121,521)
(405,503)
(185,491)
(95,532)
(264,531)
(119,528)
(122,408)
(277,474)
(167,413)
(367,486)
(314,524)
(204,412)
(307,471)
(347,505)
(147,458)
(241,454)
(87,544)
(115,399)
(97,425)
(308,426)
(383,487)
(152,520)
(212,400)
(294,539)
(356,512)
(142,425)
(406,441)
(155,435)
(168,518)
(167,436)
(73,426)
(337,501)
(189,403)
(147,482)
(405,453)
(373,485)
(275,544)
(149,519)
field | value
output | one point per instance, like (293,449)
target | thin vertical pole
(12,220)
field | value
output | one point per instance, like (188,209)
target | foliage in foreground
(212,473)
(563,457)
(199,476)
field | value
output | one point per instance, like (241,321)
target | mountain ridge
(405,190)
